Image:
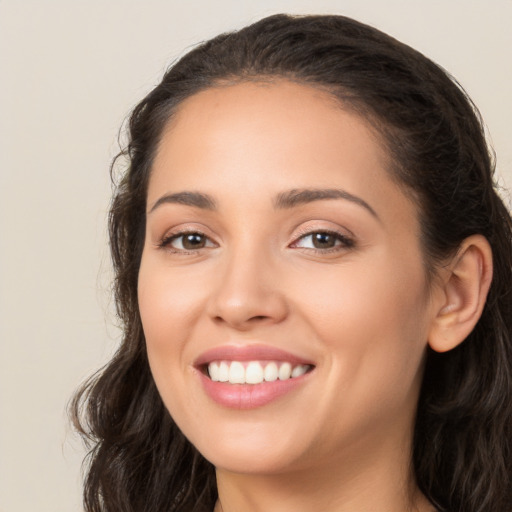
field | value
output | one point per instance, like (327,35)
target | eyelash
(166,242)
(345,242)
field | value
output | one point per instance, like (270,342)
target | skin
(361,311)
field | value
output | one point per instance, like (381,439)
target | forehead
(278,125)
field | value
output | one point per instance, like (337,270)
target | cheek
(373,317)
(367,296)
(169,304)
(372,324)
(169,298)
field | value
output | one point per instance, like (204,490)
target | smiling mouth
(254,372)
(251,376)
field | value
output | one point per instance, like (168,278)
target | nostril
(247,311)
(243,324)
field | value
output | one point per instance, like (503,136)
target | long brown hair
(139,460)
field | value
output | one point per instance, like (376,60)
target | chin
(255,450)
(254,462)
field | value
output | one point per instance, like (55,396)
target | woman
(313,271)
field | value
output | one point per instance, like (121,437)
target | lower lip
(249,396)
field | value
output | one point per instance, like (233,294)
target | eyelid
(169,239)
(345,236)
(170,235)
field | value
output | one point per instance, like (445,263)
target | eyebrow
(196,199)
(297,197)
(284,200)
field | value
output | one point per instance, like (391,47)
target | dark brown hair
(139,460)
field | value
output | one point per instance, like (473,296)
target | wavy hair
(139,460)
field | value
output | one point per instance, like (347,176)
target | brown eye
(193,241)
(187,242)
(323,240)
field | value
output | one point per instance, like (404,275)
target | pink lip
(248,353)
(248,396)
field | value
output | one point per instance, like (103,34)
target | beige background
(69,73)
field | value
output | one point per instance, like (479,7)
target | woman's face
(277,242)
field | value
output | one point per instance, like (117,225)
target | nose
(249,293)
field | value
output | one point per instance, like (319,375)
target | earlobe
(465,285)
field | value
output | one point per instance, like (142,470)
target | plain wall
(69,73)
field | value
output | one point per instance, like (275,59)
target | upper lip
(249,353)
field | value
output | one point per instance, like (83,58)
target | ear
(465,283)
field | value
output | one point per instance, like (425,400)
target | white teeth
(253,372)
(285,371)
(236,373)
(213,370)
(223,372)
(299,370)
(271,372)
